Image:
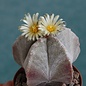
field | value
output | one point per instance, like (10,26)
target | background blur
(11,11)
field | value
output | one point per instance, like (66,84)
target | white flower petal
(22,28)
(23,34)
(25,21)
(30,29)
(59,22)
(47,19)
(35,18)
(50,24)
(51,18)
(37,36)
(55,19)
(29,17)
(42,21)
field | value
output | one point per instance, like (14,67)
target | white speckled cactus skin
(70,42)
(47,59)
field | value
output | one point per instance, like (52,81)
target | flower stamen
(34,29)
(51,28)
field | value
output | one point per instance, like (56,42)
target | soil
(21,81)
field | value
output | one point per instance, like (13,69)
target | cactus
(47,59)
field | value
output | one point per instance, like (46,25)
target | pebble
(21,81)
(77,85)
(64,84)
(76,75)
(75,81)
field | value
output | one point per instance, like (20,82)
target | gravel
(21,81)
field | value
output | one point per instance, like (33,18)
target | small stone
(76,75)
(72,84)
(77,85)
(75,81)
(64,84)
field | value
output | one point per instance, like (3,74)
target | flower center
(51,28)
(34,28)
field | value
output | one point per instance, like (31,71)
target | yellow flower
(30,28)
(50,24)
